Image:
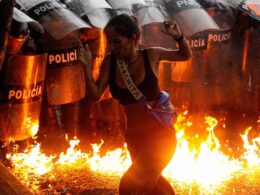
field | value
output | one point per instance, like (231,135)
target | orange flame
(33,161)
(203,164)
(100,55)
(252,153)
(245,50)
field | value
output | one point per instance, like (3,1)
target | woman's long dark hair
(125,25)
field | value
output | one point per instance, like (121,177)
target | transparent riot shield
(97,13)
(21,96)
(83,7)
(124,6)
(115,4)
(153,11)
(22,17)
(190,16)
(99,17)
(253,6)
(53,16)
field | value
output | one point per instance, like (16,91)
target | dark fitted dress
(150,144)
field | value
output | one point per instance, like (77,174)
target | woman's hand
(84,55)
(172,29)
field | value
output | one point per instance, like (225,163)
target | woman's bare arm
(95,88)
(183,53)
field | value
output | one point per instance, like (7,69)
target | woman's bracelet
(180,38)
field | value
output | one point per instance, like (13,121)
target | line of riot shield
(21,83)
(65,75)
(53,16)
(65,82)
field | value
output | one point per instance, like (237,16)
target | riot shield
(83,7)
(96,13)
(254,6)
(193,70)
(115,4)
(252,9)
(99,17)
(6,11)
(21,96)
(65,80)
(53,16)
(22,17)
(154,11)
(124,6)
(190,16)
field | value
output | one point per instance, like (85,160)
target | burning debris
(195,169)
(212,157)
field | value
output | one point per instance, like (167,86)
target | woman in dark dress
(151,145)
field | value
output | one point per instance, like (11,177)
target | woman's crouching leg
(136,183)
(162,187)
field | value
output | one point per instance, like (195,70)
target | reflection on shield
(190,16)
(124,6)
(193,70)
(83,7)
(22,17)
(115,4)
(21,97)
(252,9)
(53,16)
(161,39)
(99,17)
(94,12)
(153,11)
(254,6)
